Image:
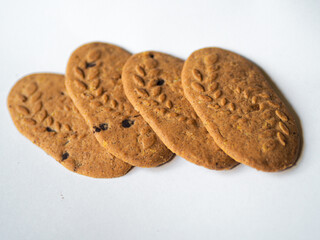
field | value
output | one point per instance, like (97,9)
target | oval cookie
(44,113)
(241,110)
(93,80)
(152,84)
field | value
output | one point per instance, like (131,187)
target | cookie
(44,113)
(93,80)
(240,109)
(152,84)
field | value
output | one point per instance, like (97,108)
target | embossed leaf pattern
(254,94)
(149,88)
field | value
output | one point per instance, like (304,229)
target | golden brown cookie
(44,113)
(240,109)
(152,84)
(93,80)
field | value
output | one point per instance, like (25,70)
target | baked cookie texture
(152,84)
(43,112)
(240,109)
(93,80)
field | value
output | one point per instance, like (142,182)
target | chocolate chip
(103,126)
(65,156)
(62,93)
(160,82)
(49,129)
(96,129)
(89,65)
(127,123)
(151,55)
(255,107)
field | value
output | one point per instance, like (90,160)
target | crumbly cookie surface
(240,109)
(152,83)
(43,112)
(93,80)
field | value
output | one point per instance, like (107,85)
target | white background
(39,199)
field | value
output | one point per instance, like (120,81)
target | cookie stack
(113,110)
